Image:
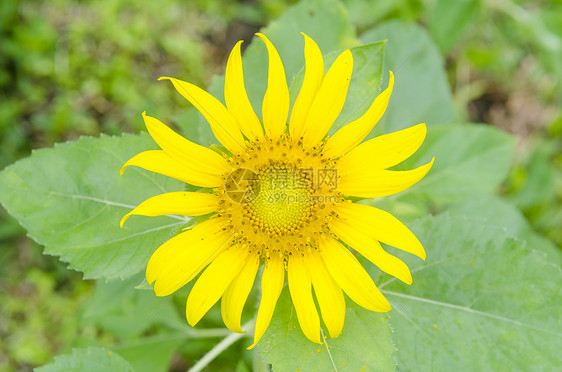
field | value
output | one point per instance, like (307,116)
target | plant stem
(220,347)
(208,333)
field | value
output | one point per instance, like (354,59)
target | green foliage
(469,160)
(499,212)
(70,198)
(365,14)
(449,20)
(536,186)
(482,301)
(72,68)
(32,298)
(86,360)
(122,316)
(150,354)
(487,297)
(421,92)
(365,344)
(146,329)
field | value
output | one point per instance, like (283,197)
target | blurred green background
(72,68)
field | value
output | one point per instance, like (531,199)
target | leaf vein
(473,311)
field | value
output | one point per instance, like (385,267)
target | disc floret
(285,202)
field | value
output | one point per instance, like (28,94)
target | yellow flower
(278,198)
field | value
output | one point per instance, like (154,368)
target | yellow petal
(213,282)
(222,122)
(182,202)
(381,226)
(275,107)
(352,277)
(160,162)
(371,250)
(328,293)
(271,286)
(353,133)
(329,99)
(183,150)
(313,76)
(385,151)
(236,97)
(235,296)
(373,183)
(301,294)
(181,258)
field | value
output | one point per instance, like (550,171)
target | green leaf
(501,213)
(481,301)
(449,20)
(469,160)
(365,343)
(151,354)
(539,177)
(71,198)
(365,14)
(127,313)
(85,360)
(193,126)
(241,367)
(117,307)
(421,91)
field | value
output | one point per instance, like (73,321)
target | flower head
(279,198)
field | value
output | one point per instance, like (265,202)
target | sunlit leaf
(481,301)
(499,212)
(92,359)
(70,199)
(364,345)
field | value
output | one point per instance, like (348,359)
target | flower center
(282,200)
(280,196)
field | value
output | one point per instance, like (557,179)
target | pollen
(282,203)
(278,196)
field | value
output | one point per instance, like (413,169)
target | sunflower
(278,196)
